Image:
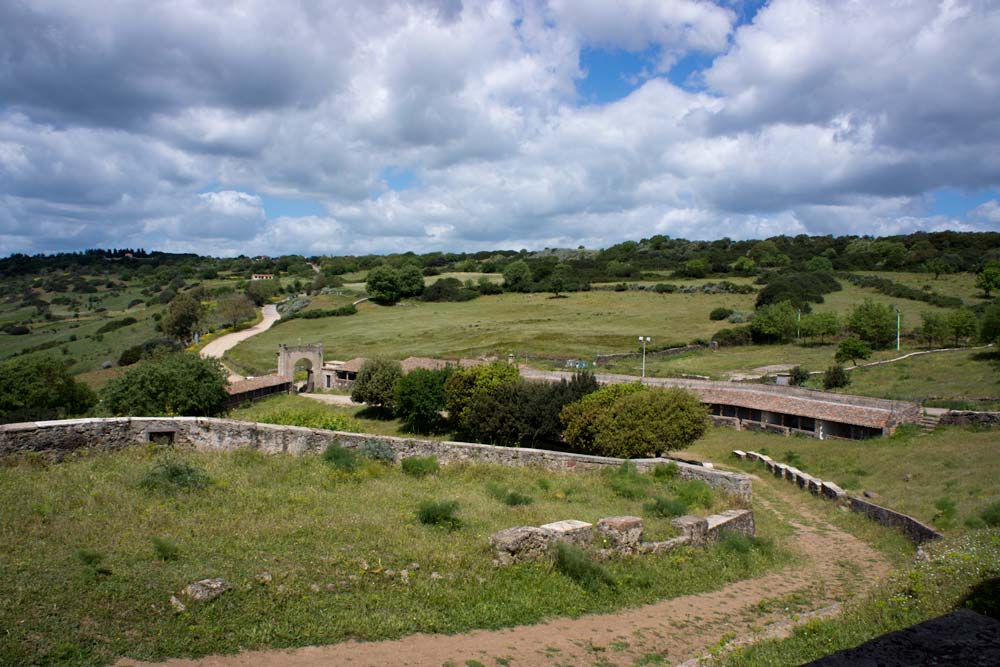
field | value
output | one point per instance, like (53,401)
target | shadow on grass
(376,412)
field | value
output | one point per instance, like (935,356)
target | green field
(83,582)
(959,465)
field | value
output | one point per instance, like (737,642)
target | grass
(960,572)
(325,538)
(955,463)
(360,418)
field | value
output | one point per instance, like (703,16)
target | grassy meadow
(92,553)
(952,471)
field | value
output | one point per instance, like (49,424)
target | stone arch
(290,355)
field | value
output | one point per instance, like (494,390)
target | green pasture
(92,554)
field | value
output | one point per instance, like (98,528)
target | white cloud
(164,127)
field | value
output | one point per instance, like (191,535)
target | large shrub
(36,388)
(174,384)
(419,398)
(383,285)
(376,383)
(580,419)
(464,387)
(449,289)
(650,423)
(774,323)
(873,322)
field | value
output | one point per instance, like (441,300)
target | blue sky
(440,125)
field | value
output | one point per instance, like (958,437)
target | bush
(799,376)
(666,507)
(573,562)
(694,492)
(650,423)
(166,549)
(420,466)
(449,289)
(733,336)
(852,349)
(171,476)
(580,419)
(946,509)
(176,384)
(509,497)
(341,458)
(420,398)
(113,325)
(835,377)
(377,450)
(376,383)
(874,323)
(465,387)
(719,314)
(991,515)
(439,513)
(147,349)
(40,388)
(665,471)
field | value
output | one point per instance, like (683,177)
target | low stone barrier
(620,535)
(970,418)
(917,531)
(56,438)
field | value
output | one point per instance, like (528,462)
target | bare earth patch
(834,565)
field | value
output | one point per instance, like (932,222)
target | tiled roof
(253,384)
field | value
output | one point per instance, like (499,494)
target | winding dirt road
(223,344)
(833,565)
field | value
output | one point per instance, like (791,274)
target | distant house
(262,276)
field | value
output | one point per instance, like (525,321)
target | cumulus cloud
(167,125)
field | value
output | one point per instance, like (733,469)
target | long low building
(779,409)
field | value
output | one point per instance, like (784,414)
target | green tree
(581,418)
(183,316)
(937,266)
(175,384)
(469,384)
(989,278)
(419,399)
(852,349)
(517,276)
(933,327)
(744,266)
(819,263)
(820,325)
(561,279)
(835,377)
(234,308)
(873,322)
(35,388)
(767,254)
(775,323)
(962,323)
(263,291)
(650,423)
(383,285)
(411,281)
(376,383)
(989,327)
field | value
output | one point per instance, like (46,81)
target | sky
(312,127)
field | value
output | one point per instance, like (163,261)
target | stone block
(791,473)
(740,454)
(815,486)
(779,469)
(733,521)
(833,492)
(516,545)
(693,527)
(622,533)
(665,546)
(802,479)
(572,531)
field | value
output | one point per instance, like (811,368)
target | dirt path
(833,566)
(223,344)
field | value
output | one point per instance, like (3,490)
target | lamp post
(898,316)
(644,340)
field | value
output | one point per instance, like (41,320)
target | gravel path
(223,344)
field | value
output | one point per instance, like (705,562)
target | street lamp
(898,315)
(644,340)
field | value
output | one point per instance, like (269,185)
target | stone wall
(969,418)
(56,438)
(915,530)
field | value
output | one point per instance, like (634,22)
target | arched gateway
(290,355)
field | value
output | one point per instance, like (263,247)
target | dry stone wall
(57,438)
(916,531)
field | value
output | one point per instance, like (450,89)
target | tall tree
(184,314)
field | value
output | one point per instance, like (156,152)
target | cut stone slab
(779,469)
(693,527)
(740,454)
(622,533)
(516,545)
(206,589)
(791,473)
(832,491)
(815,486)
(572,531)
(732,521)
